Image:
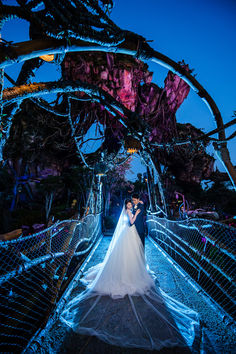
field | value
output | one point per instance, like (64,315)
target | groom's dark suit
(139,222)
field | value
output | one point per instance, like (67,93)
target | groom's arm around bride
(139,222)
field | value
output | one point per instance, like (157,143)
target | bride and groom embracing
(122,304)
(137,217)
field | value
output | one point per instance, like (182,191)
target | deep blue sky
(203,33)
(200,32)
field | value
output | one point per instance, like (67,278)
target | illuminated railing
(34,271)
(205,250)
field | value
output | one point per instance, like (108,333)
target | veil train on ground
(123,305)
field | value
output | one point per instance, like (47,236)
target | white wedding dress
(122,305)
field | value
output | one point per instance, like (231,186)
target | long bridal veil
(92,275)
(122,304)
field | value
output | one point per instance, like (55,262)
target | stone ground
(218,337)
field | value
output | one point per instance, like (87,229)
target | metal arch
(28,50)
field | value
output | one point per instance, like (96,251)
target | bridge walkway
(218,337)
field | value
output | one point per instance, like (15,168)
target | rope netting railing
(206,251)
(34,271)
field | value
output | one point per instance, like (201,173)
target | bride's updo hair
(126,202)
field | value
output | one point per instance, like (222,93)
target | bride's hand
(138,211)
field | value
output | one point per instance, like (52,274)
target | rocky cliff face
(43,140)
(129,81)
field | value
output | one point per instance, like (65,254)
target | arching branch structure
(20,93)
(80,26)
(135,46)
(130,120)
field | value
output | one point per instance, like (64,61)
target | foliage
(48,188)
(109,222)
(116,180)
(77,179)
(140,185)
(222,197)
(218,197)
(39,138)
(44,135)
(6,185)
(26,216)
(116,188)
(50,184)
(6,195)
(62,212)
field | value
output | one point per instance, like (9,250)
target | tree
(6,195)
(77,181)
(116,185)
(49,187)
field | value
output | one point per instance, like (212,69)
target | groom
(139,222)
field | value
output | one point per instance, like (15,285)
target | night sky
(200,32)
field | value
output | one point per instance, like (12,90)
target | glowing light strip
(196,251)
(37,337)
(195,286)
(229,254)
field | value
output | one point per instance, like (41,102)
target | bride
(122,305)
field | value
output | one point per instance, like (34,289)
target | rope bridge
(205,250)
(34,272)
